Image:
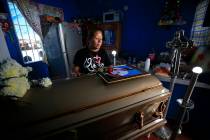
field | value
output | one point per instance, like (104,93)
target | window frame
(28,39)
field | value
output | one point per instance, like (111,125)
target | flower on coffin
(45,82)
(15,87)
(10,68)
(13,79)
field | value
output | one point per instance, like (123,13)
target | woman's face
(96,40)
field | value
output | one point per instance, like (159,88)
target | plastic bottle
(134,61)
(147,65)
(129,60)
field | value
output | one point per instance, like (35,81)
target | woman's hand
(76,71)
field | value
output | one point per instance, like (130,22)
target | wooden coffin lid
(71,96)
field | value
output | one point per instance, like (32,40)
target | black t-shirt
(89,61)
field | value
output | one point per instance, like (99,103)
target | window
(29,41)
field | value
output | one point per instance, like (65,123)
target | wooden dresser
(87,108)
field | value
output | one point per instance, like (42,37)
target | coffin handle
(160,110)
(139,118)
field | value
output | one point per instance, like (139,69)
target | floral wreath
(5,25)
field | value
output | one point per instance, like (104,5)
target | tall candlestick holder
(186,104)
(178,43)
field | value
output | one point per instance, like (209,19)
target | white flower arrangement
(15,87)
(45,82)
(13,78)
(10,68)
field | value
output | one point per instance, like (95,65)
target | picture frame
(121,73)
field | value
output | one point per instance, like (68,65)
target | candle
(114,56)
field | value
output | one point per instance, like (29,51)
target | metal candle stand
(185,105)
(178,43)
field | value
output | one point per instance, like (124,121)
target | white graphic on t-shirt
(89,64)
(97,60)
(92,63)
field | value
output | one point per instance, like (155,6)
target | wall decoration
(201,37)
(200,34)
(6,25)
(171,14)
(75,26)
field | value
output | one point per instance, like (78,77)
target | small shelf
(183,82)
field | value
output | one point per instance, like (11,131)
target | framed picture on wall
(4,23)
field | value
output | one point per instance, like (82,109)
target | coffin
(87,108)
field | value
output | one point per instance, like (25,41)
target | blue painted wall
(140,32)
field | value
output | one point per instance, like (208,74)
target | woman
(93,57)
